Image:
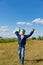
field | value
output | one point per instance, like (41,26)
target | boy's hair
(23,30)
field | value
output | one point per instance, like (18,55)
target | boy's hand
(18,30)
(33,29)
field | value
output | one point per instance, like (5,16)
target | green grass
(33,53)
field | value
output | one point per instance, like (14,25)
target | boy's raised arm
(30,33)
(17,32)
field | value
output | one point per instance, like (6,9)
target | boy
(22,42)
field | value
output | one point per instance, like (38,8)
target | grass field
(33,53)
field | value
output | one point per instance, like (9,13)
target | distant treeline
(37,38)
(9,40)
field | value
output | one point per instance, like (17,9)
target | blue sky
(26,14)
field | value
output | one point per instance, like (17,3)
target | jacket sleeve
(26,36)
(17,33)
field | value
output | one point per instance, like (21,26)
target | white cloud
(6,32)
(28,23)
(4,28)
(38,20)
(21,23)
(24,23)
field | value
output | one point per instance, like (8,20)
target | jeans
(21,54)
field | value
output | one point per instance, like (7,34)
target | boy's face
(22,32)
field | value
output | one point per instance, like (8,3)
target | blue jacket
(22,39)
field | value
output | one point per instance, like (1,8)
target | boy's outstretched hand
(33,29)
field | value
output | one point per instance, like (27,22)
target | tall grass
(33,53)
